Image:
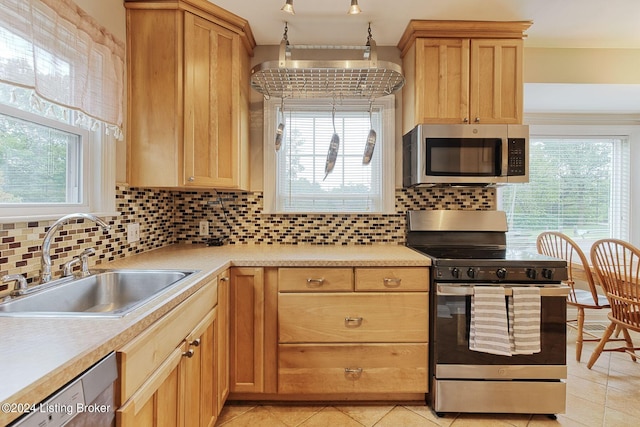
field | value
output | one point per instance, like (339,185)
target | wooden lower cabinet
(318,334)
(253,335)
(366,338)
(156,403)
(168,374)
(352,368)
(222,349)
(200,400)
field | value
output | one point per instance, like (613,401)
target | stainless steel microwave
(465,154)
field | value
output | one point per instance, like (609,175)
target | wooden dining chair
(617,265)
(559,245)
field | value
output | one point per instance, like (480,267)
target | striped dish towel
(524,320)
(489,328)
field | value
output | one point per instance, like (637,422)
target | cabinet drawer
(144,354)
(315,279)
(365,317)
(392,279)
(342,368)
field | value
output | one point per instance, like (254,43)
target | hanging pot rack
(338,79)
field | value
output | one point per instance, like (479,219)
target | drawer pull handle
(195,342)
(353,372)
(315,283)
(189,353)
(392,282)
(352,321)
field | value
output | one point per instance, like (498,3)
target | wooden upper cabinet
(441,80)
(188,95)
(462,72)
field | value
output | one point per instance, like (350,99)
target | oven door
(451,335)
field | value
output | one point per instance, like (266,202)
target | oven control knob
(501,273)
(455,272)
(532,273)
(547,273)
(471,272)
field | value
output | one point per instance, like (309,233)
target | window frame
(596,127)
(384,145)
(97,174)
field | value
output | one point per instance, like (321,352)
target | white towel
(524,320)
(489,328)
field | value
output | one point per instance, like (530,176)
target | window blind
(351,186)
(578,185)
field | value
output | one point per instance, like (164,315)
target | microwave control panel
(517,158)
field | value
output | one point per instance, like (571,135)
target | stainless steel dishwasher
(87,400)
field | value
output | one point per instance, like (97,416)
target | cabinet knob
(391,282)
(191,178)
(353,321)
(466,120)
(353,372)
(477,120)
(195,342)
(189,353)
(224,279)
(315,283)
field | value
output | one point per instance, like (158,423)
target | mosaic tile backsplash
(168,217)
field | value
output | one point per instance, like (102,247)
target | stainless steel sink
(108,293)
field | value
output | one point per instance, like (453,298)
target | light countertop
(40,355)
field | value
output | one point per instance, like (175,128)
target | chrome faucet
(20,286)
(46,243)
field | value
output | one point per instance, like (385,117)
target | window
(579,185)
(39,162)
(48,165)
(295,178)
(61,91)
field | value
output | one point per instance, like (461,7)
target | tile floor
(607,395)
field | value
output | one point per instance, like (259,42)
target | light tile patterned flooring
(607,395)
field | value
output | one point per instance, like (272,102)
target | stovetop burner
(471,246)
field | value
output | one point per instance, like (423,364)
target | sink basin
(108,293)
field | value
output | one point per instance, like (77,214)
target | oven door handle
(447,289)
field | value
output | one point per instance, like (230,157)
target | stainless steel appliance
(87,400)
(465,154)
(468,250)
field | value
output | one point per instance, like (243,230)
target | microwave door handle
(504,170)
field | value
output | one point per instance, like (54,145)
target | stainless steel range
(469,254)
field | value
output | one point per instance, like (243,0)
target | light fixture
(354,9)
(288,7)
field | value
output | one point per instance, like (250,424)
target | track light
(354,9)
(288,7)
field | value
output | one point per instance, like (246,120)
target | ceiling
(557,23)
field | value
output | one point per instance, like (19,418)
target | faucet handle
(87,252)
(67,268)
(84,260)
(20,286)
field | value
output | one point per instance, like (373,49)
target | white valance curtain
(54,48)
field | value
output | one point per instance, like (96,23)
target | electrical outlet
(204,228)
(133,232)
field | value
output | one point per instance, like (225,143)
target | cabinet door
(157,402)
(200,401)
(223,339)
(442,81)
(247,330)
(496,81)
(212,97)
